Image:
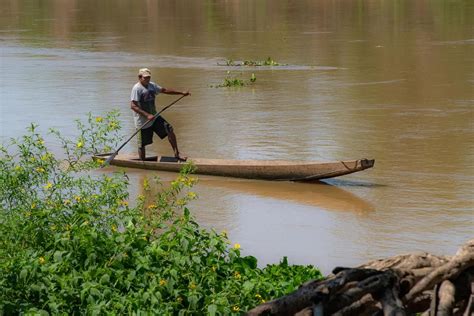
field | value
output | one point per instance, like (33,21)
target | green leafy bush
(71,243)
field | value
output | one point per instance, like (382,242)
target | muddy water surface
(390,81)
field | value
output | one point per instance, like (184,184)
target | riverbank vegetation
(73,241)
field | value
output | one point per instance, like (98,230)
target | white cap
(144,72)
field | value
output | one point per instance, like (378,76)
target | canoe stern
(367,163)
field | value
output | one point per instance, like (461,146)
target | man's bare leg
(174,144)
(141,153)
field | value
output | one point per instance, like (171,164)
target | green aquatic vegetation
(253,78)
(73,241)
(231,81)
(229,62)
(253,63)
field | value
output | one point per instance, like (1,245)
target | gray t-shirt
(146,101)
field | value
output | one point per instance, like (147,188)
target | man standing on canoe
(143,105)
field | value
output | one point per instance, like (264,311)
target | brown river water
(389,80)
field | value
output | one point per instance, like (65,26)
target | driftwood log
(403,285)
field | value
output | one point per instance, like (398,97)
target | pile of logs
(402,285)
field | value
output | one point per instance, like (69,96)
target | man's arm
(172,91)
(137,109)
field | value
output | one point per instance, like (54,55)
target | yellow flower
(77,198)
(48,186)
(192,195)
(33,205)
(224,233)
(42,260)
(18,168)
(236,246)
(98,119)
(151,206)
(39,169)
(258,296)
(114,228)
(237,275)
(146,184)
(235,308)
(79,144)
(124,203)
(162,282)
(41,142)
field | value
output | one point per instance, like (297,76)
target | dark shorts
(160,126)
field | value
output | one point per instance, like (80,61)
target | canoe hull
(249,169)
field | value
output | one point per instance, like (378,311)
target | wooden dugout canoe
(249,169)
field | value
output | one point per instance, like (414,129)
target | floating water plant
(253,78)
(232,81)
(253,63)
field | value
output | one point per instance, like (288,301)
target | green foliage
(100,134)
(253,78)
(252,63)
(232,81)
(70,242)
(229,62)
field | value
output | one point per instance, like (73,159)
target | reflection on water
(364,79)
(314,194)
(317,194)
